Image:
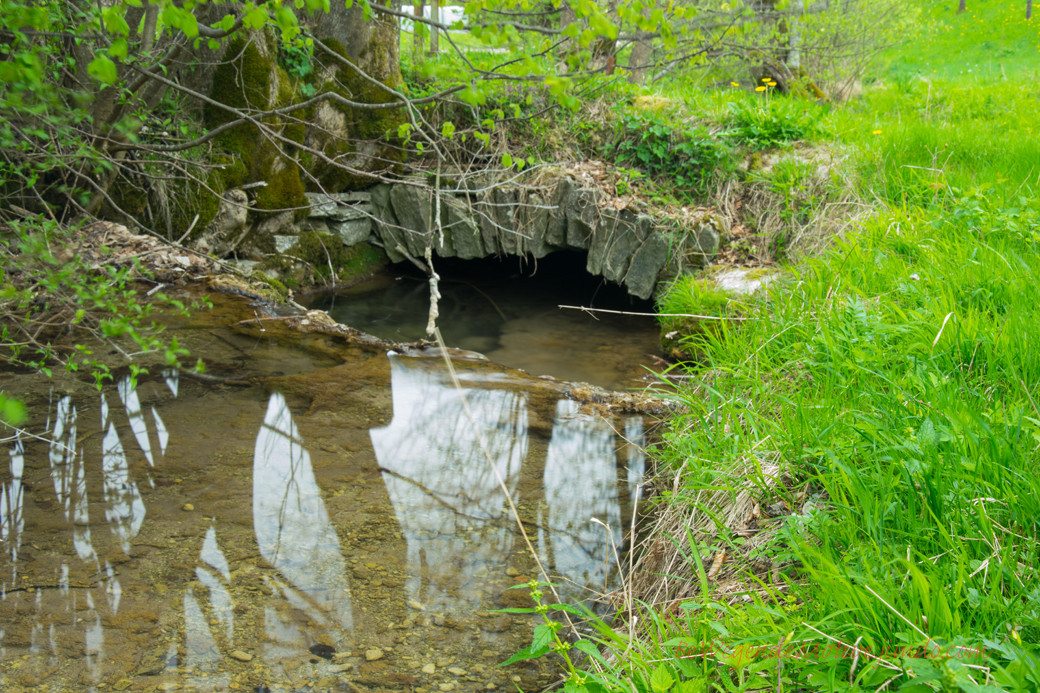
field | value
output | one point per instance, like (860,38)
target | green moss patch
(323,249)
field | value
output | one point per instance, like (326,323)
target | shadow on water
(507,309)
(341,529)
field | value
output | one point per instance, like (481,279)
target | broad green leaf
(524,654)
(12,411)
(661,680)
(189,24)
(691,686)
(507,160)
(591,650)
(119,48)
(103,70)
(448,130)
(171,16)
(543,635)
(114,21)
(255,18)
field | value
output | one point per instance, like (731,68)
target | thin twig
(653,315)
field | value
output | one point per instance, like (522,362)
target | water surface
(341,527)
(510,313)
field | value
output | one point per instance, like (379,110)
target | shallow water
(341,528)
(510,314)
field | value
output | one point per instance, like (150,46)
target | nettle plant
(547,640)
(55,314)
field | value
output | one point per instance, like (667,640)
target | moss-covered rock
(321,250)
(250,78)
(172,204)
(288,271)
(362,139)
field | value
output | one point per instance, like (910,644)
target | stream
(340,527)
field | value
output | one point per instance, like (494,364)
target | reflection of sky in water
(581,482)
(636,462)
(124,508)
(292,526)
(442,485)
(439,478)
(11,519)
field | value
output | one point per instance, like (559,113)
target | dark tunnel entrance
(507,309)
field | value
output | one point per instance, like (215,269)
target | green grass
(895,380)
(898,376)
(918,140)
(991,40)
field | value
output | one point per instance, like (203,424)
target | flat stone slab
(283,243)
(743,281)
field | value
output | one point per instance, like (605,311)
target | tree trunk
(567,15)
(638,60)
(435,15)
(794,37)
(1029,9)
(417,42)
(960,8)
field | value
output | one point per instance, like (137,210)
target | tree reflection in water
(448,500)
(165,596)
(294,533)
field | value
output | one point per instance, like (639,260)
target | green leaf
(12,411)
(448,130)
(119,48)
(189,25)
(661,680)
(524,654)
(255,18)
(114,22)
(103,70)
(591,650)
(543,636)
(507,160)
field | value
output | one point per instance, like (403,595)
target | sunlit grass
(992,39)
(897,377)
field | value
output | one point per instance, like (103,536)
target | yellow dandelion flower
(760,88)
(877,132)
(734,84)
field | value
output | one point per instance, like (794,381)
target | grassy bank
(850,499)
(856,474)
